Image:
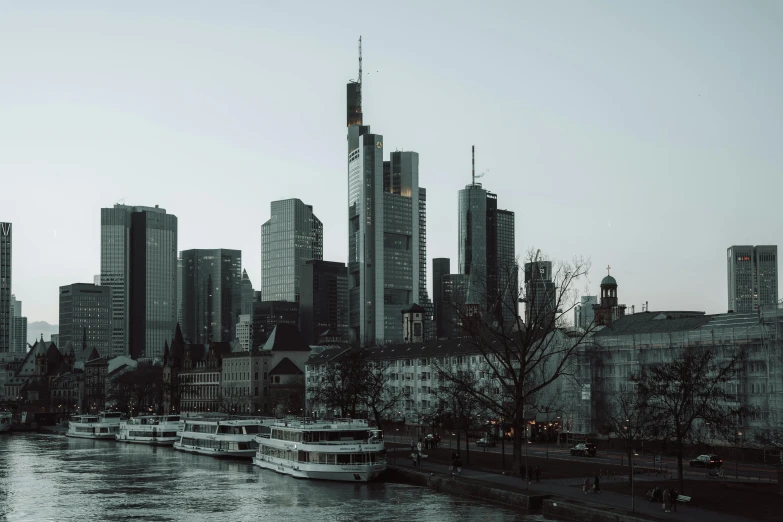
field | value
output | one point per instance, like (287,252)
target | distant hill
(34,331)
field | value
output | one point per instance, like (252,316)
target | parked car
(485,442)
(584,449)
(707,461)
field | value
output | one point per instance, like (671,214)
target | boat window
(251,429)
(343,458)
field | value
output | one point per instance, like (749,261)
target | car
(485,442)
(584,449)
(707,461)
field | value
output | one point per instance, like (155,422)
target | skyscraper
(584,315)
(5,287)
(86,310)
(384,236)
(441,266)
(324,302)
(487,253)
(752,277)
(211,294)
(18,339)
(248,294)
(179,289)
(292,236)
(139,264)
(540,294)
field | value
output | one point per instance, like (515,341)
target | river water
(53,478)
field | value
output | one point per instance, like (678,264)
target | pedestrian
(458,463)
(674,496)
(667,500)
(587,485)
(537,473)
(597,485)
(418,460)
(529,474)
(453,467)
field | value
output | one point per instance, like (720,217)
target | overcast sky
(648,136)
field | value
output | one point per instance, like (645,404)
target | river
(52,478)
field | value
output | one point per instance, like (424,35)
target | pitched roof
(655,322)
(286,367)
(286,338)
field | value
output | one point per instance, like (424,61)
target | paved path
(571,488)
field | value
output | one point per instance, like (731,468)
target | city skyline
(597,162)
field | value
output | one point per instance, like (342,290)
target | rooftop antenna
(360,72)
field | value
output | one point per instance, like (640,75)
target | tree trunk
(467,446)
(517,445)
(680,475)
(629,449)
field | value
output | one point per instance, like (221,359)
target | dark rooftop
(286,367)
(286,338)
(655,322)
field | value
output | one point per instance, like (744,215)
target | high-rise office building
(441,266)
(752,277)
(211,294)
(139,264)
(384,199)
(291,237)
(5,287)
(86,310)
(179,289)
(268,314)
(584,315)
(540,294)
(245,332)
(324,302)
(487,253)
(248,294)
(18,340)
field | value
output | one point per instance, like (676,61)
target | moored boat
(104,425)
(155,430)
(339,449)
(221,437)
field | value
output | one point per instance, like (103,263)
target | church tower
(608,310)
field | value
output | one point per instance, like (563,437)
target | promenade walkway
(572,489)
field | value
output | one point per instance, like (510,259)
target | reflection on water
(50,477)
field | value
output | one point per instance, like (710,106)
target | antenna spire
(473,159)
(360,59)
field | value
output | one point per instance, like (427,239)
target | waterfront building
(5,287)
(291,237)
(211,294)
(584,315)
(752,277)
(268,314)
(86,313)
(324,300)
(384,232)
(18,323)
(139,264)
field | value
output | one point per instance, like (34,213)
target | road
(742,469)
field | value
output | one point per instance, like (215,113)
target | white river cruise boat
(155,430)
(5,421)
(221,438)
(104,425)
(339,449)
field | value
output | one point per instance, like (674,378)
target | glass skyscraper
(291,237)
(486,250)
(139,264)
(324,304)
(211,294)
(5,287)
(752,277)
(86,311)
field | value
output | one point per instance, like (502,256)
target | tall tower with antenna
(354,105)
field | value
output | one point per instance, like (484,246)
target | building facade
(384,232)
(18,339)
(139,264)
(324,300)
(752,277)
(441,266)
(540,294)
(245,332)
(268,314)
(248,294)
(5,287)
(86,314)
(211,294)
(292,236)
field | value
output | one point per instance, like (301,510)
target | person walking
(674,496)
(458,463)
(529,474)
(537,473)
(587,485)
(597,484)
(453,467)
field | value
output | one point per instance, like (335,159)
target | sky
(645,136)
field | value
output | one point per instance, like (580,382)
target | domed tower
(609,309)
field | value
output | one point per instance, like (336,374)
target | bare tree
(290,396)
(688,398)
(626,416)
(519,359)
(378,395)
(341,381)
(233,399)
(139,390)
